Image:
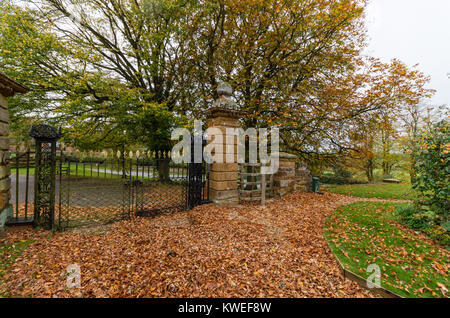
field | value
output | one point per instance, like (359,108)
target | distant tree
(413,119)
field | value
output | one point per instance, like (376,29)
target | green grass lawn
(111,171)
(380,191)
(367,233)
(87,171)
(23,171)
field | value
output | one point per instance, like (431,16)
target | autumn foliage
(433,169)
(112,70)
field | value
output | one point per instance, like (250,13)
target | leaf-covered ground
(8,255)
(366,233)
(211,251)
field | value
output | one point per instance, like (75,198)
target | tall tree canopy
(113,71)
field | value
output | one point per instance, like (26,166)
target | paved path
(96,192)
(22,189)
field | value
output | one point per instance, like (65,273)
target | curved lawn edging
(366,233)
(383,292)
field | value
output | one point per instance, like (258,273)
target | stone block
(284,183)
(284,155)
(223,195)
(5,185)
(223,185)
(5,171)
(4,157)
(4,115)
(4,199)
(224,167)
(5,215)
(3,102)
(224,176)
(4,143)
(285,174)
(224,121)
(223,148)
(220,158)
(287,164)
(4,129)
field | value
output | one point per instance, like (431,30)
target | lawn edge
(347,274)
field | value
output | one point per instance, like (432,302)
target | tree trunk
(164,169)
(369,171)
(387,168)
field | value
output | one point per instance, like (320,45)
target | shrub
(337,180)
(339,176)
(417,218)
(439,234)
(422,218)
(433,169)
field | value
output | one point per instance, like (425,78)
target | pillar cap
(42,131)
(224,89)
(285,155)
(224,106)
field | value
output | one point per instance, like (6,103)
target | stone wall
(303,178)
(284,179)
(5,182)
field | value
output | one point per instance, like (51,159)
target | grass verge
(379,191)
(367,233)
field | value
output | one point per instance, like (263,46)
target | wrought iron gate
(79,189)
(198,191)
(114,186)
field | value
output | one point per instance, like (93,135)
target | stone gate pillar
(8,88)
(224,176)
(6,210)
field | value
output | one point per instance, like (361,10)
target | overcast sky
(414,31)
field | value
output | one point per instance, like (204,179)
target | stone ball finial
(225,102)
(224,89)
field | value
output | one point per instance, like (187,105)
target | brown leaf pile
(210,251)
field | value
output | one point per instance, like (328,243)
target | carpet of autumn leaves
(244,251)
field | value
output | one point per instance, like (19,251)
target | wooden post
(263,190)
